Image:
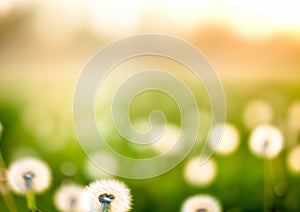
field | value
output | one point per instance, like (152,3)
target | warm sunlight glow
(5,6)
(262,18)
(113,17)
(253,19)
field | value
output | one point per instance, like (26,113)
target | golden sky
(242,39)
(250,18)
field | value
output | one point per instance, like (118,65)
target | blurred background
(254,47)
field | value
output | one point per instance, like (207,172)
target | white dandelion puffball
(116,192)
(293,159)
(225,138)
(200,175)
(257,112)
(29,174)
(67,198)
(294,116)
(201,203)
(168,140)
(266,141)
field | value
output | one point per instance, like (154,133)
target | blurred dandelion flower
(225,137)
(201,203)
(168,140)
(29,175)
(200,175)
(294,116)
(106,195)
(293,159)
(67,198)
(266,141)
(257,112)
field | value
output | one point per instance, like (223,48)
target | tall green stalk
(105,199)
(30,199)
(105,207)
(30,196)
(7,196)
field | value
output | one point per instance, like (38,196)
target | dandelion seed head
(266,141)
(200,175)
(225,137)
(294,116)
(201,203)
(106,198)
(68,198)
(168,140)
(293,159)
(112,192)
(29,174)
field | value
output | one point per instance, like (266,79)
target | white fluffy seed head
(168,140)
(225,137)
(200,175)
(68,198)
(266,141)
(293,160)
(294,116)
(201,203)
(39,170)
(120,192)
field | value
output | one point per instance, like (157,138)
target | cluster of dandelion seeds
(201,203)
(266,141)
(29,175)
(106,195)
(67,198)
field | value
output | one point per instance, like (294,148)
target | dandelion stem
(105,207)
(30,198)
(7,197)
(268,189)
(106,199)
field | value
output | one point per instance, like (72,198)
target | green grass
(239,183)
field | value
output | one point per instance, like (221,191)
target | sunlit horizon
(251,19)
